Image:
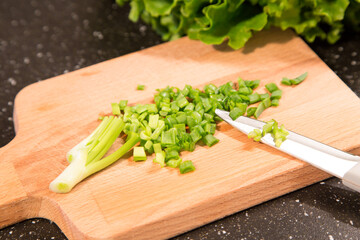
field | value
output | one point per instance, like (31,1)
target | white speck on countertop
(37,12)
(98,35)
(297,200)
(12,81)
(45,28)
(305,214)
(26,60)
(340,49)
(351,223)
(14,23)
(331,237)
(74,16)
(353,63)
(39,54)
(86,23)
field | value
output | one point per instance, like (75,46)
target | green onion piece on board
(236,112)
(153,121)
(254,98)
(252,83)
(260,108)
(171,154)
(210,140)
(295,81)
(157,148)
(123,104)
(174,163)
(139,154)
(140,87)
(186,166)
(115,109)
(276,94)
(266,102)
(286,81)
(160,158)
(250,111)
(149,146)
(275,102)
(271,87)
(264,96)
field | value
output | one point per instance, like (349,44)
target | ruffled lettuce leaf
(216,21)
(232,21)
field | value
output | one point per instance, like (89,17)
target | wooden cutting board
(137,200)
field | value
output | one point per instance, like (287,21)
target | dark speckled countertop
(40,39)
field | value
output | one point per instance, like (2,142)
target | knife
(331,160)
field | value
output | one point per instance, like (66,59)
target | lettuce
(234,21)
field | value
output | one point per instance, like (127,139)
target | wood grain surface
(140,200)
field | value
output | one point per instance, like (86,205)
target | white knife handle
(351,179)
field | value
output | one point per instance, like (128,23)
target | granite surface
(42,39)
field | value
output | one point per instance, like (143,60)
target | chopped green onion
(140,108)
(156,133)
(168,137)
(186,166)
(174,163)
(276,94)
(264,96)
(182,102)
(210,128)
(189,108)
(149,146)
(180,127)
(254,98)
(139,154)
(252,83)
(250,111)
(151,108)
(271,87)
(140,87)
(295,81)
(286,81)
(115,109)
(245,90)
(279,134)
(236,112)
(255,134)
(210,140)
(260,108)
(122,104)
(171,154)
(267,128)
(195,135)
(157,147)
(267,102)
(275,102)
(181,117)
(153,121)
(160,158)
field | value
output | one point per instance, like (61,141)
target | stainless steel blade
(322,156)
